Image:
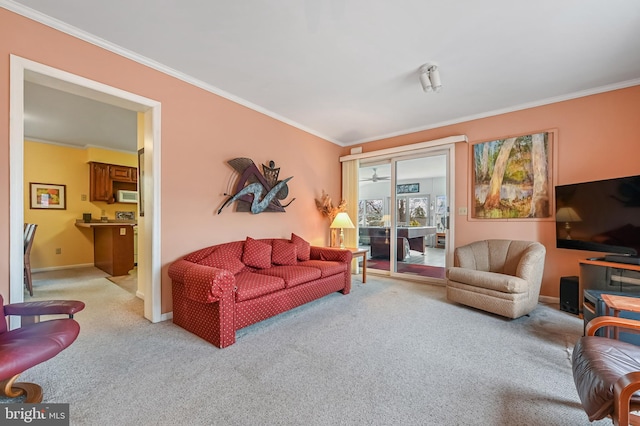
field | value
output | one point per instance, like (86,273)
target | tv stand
(619,258)
(600,274)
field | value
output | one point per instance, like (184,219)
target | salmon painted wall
(597,139)
(200,132)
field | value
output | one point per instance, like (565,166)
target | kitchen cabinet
(105,180)
(99,182)
(113,246)
(123,173)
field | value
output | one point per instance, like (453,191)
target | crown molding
(114,48)
(548,101)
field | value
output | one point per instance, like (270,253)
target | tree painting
(511,178)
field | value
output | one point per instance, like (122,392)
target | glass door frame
(449,152)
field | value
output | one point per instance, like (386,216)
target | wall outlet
(462,211)
(83,197)
(123,231)
(58,251)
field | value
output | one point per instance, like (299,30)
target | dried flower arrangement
(325,206)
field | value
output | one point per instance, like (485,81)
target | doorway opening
(23,70)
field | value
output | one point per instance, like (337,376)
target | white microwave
(127,196)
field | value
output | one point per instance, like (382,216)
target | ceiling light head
(424,78)
(434,76)
(430,78)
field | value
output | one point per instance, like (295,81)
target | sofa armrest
(204,284)
(331,253)
(48,307)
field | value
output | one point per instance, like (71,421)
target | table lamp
(342,221)
(567,215)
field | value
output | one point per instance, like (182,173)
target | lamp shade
(342,220)
(567,214)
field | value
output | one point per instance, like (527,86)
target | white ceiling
(346,70)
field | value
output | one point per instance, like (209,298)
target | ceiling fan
(375,177)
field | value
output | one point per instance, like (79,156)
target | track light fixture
(430,78)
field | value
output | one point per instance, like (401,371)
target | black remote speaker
(569,295)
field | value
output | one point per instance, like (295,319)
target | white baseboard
(166,316)
(59,268)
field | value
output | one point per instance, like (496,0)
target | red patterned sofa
(220,289)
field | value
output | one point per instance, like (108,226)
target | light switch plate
(462,211)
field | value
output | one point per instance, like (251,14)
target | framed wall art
(512,178)
(408,188)
(47,196)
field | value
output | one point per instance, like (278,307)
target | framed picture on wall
(408,188)
(512,178)
(47,196)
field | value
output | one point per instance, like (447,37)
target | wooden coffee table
(358,252)
(620,303)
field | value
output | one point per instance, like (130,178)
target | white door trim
(22,70)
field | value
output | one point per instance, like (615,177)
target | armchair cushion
(30,345)
(489,280)
(606,372)
(25,347)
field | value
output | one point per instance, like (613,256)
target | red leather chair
(31,344)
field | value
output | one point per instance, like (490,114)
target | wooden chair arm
(623,389)
(607,321)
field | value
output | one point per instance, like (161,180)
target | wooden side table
(620,303)
(358,252)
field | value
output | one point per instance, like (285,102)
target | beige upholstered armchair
(498,276)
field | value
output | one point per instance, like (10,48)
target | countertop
(81,224)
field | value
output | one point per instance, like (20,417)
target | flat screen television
(601,216)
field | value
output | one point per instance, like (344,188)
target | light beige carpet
(127,282)
(389,353)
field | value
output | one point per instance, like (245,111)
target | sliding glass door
(403,214)
(420,243)
(374,213)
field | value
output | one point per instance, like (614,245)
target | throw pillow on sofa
(223,259)
(303,248)
(256,254)
(284,253)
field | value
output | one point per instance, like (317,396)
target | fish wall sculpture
(257,192)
